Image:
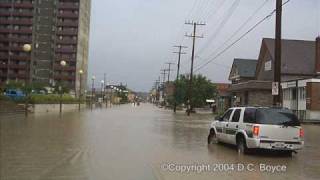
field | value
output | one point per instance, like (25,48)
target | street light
(92,88)
(80,87)
(26,48)
(102,91)
(63,64)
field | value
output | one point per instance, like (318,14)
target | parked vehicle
(258,128)
(14,94)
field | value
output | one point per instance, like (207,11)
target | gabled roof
(298,56)
(244,67)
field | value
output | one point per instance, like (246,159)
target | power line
(218,64)
(206,9)
(228,14)
(210,15)
(237,40)
(241,27)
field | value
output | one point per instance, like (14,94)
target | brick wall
(260,98)
(313,96)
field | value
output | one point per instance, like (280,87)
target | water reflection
(126,142)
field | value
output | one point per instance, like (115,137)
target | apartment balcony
(65,58)
(66,41)
(68,32)
(67,68)
(17,66)
(17,22)
(19,75)
(21,40)
(59,77)
(12,48)
(68,6)
(19,14)
(3,74)
(21,58)
(65,50)
(18,31)
(68,15)
(3,66)
(24,5)
(3,57)
(68,24)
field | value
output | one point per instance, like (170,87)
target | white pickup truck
(258,128)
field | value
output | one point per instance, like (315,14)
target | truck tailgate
(279,132)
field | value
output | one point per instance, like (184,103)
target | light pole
(92,88)
(63,64)
(111,95)
(80,87)
(26,48)
(102,92)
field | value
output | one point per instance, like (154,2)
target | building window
(302,93)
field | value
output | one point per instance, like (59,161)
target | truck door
(233,126)
(221,128)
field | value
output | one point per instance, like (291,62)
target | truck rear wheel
(241,145)
(212,137)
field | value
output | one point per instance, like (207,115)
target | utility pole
(104,90)
(157,90)
(276,87)
(162,86)
(177,78)
(193,36)
(169,70)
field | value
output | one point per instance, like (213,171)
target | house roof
(245,67)
(298,56)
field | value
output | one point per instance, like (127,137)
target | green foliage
(14,85)
(36,87)
(53,99)
(64,88)
(202,90)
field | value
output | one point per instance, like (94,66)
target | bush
(53,99)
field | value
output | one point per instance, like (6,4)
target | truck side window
(226,116)
(249,115)
(236,115)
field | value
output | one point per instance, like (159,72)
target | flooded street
(133,143)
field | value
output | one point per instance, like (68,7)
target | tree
(202,89)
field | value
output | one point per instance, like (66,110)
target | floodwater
(135,143)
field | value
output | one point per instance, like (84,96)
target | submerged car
(252,128)
(14,94)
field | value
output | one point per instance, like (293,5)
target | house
(245,89)
(300,68)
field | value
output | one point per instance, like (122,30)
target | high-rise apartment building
(57,30)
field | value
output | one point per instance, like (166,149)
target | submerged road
(136,143)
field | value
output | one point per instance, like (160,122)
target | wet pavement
(136,143)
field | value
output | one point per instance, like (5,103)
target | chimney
(317,67)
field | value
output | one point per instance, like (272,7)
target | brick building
(57,30)
(223,98)
(303,97)
(300,61)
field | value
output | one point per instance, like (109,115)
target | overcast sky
(131,40)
